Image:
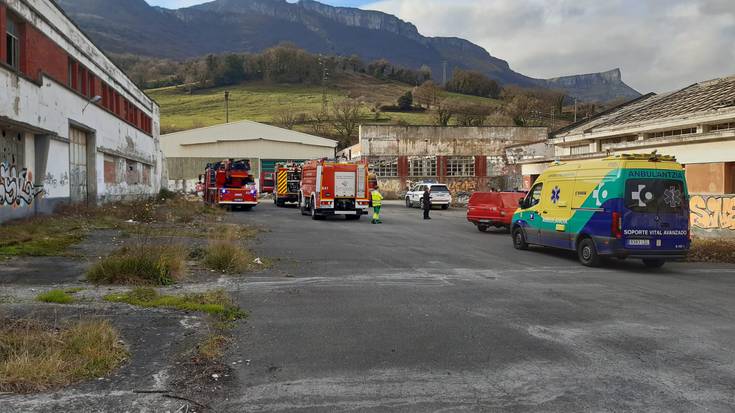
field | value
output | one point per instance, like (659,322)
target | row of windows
(722,126)
(676,132)
(85,82)
(426,166)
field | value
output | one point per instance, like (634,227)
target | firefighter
(377,199)
(426,202)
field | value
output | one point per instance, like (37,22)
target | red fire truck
(334,188)
(229,183)
(287,184)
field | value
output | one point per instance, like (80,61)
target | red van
(493,209)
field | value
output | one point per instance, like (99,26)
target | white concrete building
(187,153)
(73,127)
(696,124)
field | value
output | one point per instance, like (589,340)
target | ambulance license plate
(639,242)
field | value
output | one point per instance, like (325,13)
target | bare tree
(443,113)
(346,117)
(286,118)
(319,123)
(472,115)
(427,94)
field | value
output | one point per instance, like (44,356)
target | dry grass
(36,357)
(141,264)
(225,253)
(213,347)
(712,250)
(215,302)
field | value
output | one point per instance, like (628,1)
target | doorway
(78,167)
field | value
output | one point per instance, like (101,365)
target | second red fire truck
(229,183)
(334,188)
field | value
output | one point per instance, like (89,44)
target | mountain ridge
(223,26)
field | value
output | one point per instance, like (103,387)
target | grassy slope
(262,102)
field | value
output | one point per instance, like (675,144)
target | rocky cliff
(221,26)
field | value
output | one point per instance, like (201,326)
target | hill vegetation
(330,96)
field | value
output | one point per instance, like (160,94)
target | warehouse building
(188,152)
(696,124)
(73,127)
(467,159)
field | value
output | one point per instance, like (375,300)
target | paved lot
(436,316)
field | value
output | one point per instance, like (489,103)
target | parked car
(440,195)
(493,209)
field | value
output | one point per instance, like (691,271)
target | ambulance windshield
(655,196)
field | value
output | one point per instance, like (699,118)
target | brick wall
(47,57)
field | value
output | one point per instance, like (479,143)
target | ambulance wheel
(653,263)
(519,239)
(587,253)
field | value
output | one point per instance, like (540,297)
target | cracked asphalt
(417,316)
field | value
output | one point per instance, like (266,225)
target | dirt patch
(712,250)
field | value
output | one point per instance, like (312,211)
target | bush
(142,265)
(37,357)
(55,296)
(226,256)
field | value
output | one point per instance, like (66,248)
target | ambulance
(625,206)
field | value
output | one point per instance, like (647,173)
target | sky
(660,45)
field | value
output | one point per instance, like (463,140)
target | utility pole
(444,74)
(325,75)
(575,110)
(227,106)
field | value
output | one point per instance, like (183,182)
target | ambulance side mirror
(522,203)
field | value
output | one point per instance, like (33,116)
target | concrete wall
(383,140)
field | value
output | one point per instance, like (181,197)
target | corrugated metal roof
(245,131)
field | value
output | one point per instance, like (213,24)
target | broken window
(496,166)
(461,166)
(12,44)
(422,166)
(384,167)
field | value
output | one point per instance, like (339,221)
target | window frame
(461,167)
(12,42)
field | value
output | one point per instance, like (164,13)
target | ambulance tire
(587,253)
(653,263)
(519,239)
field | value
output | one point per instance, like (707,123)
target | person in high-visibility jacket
(377,199)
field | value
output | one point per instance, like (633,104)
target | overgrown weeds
(37,357)
(712,250)
(56,297)
(141,264)
(225,253)
(215,302)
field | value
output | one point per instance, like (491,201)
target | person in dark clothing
(427,202)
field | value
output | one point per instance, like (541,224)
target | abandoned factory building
(696,124)
(188,152)
(467,159)
(73,127)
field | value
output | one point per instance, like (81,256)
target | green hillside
(264,102)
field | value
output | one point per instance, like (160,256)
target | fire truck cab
(229,183)
(334,188)
(287,184)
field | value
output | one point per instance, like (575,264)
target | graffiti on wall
(17,187)
(713,212)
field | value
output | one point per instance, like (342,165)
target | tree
(319,123)
(443,113)
(471,115)
(346,118)
(474,83)
(405,102)
(427,94)
(286,118)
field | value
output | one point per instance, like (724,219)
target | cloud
(174,4)
(660,45)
